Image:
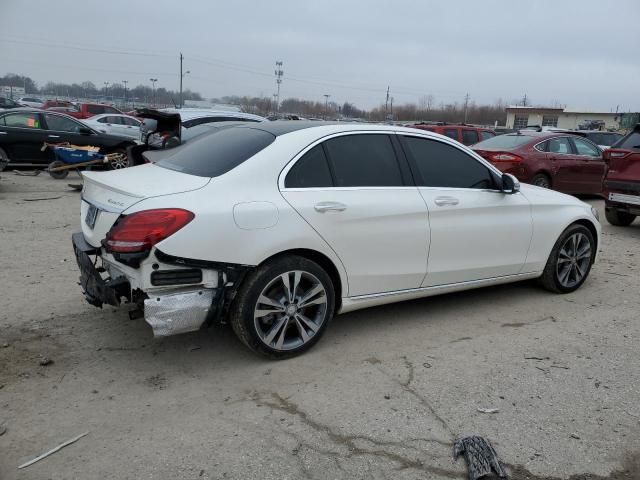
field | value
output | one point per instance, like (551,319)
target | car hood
(544,196)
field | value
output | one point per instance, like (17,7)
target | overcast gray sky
(581,53)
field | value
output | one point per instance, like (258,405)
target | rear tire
(59,175)
(570,260)
(618,218)
(4,159)
(541,180)
(281,321)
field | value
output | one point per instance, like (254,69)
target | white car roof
(191,113)
(102,115)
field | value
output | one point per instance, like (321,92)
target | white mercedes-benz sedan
(277,227)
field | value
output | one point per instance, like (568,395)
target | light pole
(326,104)
(125,91)
(153,88)
(106,90)
(181,77)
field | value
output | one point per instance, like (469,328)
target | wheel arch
(321,259)
(590,226)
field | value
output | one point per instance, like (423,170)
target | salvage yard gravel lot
(384,394)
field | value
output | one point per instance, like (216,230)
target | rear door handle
(443,201)
(54,136)
(329,206)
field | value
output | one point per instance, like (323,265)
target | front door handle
(442,201)
(329,206)
(54,136)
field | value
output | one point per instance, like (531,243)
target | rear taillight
(505,157)
(613,153)
(139,231)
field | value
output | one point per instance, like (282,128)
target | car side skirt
(365,301)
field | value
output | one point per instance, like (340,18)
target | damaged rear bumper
(169,310)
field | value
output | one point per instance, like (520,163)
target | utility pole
(182,75)
(279,73)
(153,88)
(125,91)
(524,100)
(275,102)
(466,107)
(106,90)
(386,104)
(326,104)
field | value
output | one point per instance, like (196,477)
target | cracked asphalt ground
(383,395)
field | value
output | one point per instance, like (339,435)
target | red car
(465,134)
(88,110)
(622,183)
(563,162)
(57,103)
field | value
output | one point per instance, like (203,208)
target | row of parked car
(574,162)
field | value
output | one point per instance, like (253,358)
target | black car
(6,103)
(24,132)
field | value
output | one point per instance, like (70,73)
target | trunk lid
(105,195)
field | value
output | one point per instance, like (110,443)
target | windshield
(503,142)
(214,154)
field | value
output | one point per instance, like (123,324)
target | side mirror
(85,131)
(510,184)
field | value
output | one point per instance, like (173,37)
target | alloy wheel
(574,258)
(290,310)
(118,161)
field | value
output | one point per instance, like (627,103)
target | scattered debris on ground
(53,450)
(480,456)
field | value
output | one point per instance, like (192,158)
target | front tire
(570,261)
(618,218)
(283,307)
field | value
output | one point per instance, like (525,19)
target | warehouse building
(520,117)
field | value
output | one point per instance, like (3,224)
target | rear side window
(560,145)
(469,137)
(96,109)
(630,142)
(310,171)
(484,135)
(504,142)
(23,120)
(451,133)
(213,154)
(443,165)
(367,160)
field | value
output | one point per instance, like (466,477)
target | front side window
(110,110)
(469,137)
(560,145)
(310,171)
(585,148)
(520,121)
(630,142)
(62,124)
(442,165)
(22,120)
(549,120)
(363,160)
(132,122)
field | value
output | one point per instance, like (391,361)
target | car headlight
(595,213)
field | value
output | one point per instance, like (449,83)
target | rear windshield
(630,142)
(503,142)
(211,155)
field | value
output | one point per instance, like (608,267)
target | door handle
(329,206)
(442,201)
(3,133)
(54,136)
